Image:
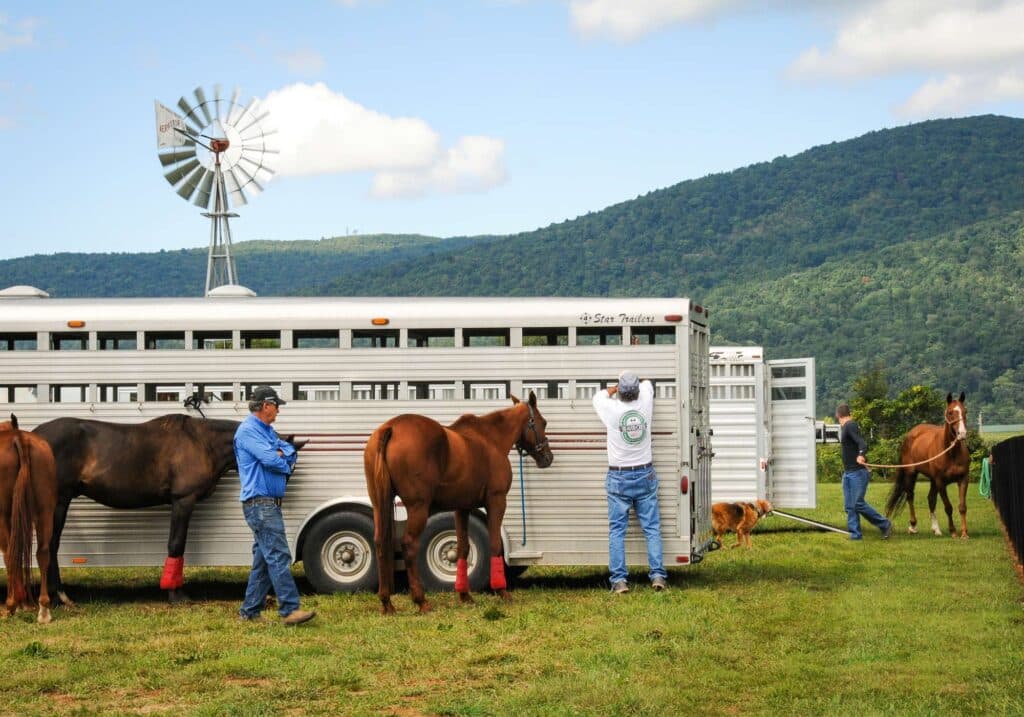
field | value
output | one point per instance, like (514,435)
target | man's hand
(612,390)
(862,460)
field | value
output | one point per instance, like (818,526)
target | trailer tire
(339,554)
(436,560)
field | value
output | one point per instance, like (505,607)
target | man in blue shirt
(265,463)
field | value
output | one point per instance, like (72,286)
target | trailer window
(317,392)
(74,393)
(375,391)
(645,335)
(489,391)
(19,394)
(18,342)
(664,389)
(742,392)
(424,390)
(165,340)
(789,371)
(211,340)
(789,393)
(543,389)
(247,388)
(114,393)
(485,337)
(739,370)
(546,337)
(117,341)
(431,338)
(315,340)
(261,339)
(598,337)
(215,392)
(165,392)
(375,339)
(72,341)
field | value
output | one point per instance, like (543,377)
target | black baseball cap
(268,394)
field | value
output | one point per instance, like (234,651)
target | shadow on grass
(96,591)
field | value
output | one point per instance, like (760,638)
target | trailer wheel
(339,554)
(436,560)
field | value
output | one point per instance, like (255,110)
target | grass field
(805,623)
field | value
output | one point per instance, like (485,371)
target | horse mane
(472,420)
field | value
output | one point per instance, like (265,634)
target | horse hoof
(63,599)
(505,595)
(425,608)
(466,599)
(44,617)
(178,597)
(912,530)
(388,609)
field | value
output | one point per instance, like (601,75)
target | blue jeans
(271,562)
(637,490)
(855,487)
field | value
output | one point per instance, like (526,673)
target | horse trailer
(762,420)
(346,365)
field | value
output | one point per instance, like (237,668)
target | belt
(629,468)
(263,499)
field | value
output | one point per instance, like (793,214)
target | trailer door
(793,473)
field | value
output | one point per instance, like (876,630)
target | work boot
(297,617)
(619,587)
(659,584)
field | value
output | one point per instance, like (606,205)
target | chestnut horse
(434,468)
(940,452)
(28,496)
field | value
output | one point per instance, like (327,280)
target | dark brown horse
(28,496)
(940,452)
(459,467)
(174,459)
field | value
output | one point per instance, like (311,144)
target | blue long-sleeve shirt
(261,470)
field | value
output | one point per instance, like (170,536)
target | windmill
(213,156)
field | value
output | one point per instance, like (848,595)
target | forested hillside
(904,247)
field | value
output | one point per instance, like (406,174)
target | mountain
(902,247)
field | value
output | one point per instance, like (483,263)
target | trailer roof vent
(22,291)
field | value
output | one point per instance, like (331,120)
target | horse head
(532,440)
(956,416)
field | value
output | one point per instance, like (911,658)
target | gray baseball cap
(629,383)
(268,394)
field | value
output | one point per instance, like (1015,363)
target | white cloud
(303,61)
(901,35)
(323,132)
(16,34)
(474,164)
(630,20)
(957,93)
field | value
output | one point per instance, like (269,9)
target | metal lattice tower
(214,154)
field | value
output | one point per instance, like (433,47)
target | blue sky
(456,118)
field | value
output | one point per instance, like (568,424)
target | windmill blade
(180,172)
(250,182)
(201,97)
(234,190)
(180,154)
(257,135)
(233,106)
(216,101)
(260,150)
(204,191)
(254,123)
(190,116)
(188,187)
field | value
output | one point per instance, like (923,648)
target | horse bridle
(538,445)
(957,420)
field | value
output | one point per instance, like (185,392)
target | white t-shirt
(628,424)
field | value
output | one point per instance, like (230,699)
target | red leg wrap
(461,576)
(172,579)
(498,573)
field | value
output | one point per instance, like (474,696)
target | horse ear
(515,400)
(949,397)
(533,399)
(962,396)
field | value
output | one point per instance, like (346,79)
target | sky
(453,118)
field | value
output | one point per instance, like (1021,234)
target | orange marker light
(79,561)
(380,322)
(76,324)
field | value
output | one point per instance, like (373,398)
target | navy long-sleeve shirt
(261,471)
(853,445)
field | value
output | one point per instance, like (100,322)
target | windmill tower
(213,155)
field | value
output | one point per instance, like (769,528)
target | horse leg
(173,576)
(10,605)
(60,516)
(933,494)
(911,484)
(949,510)
(44,530)
(495,514)
(462,556)
(963,506)
(414,525)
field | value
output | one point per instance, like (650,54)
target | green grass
(805,623)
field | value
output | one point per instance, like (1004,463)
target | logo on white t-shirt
(632,427)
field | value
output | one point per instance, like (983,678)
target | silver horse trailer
(345,365)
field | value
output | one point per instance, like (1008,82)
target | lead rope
(911,465)
(522,495)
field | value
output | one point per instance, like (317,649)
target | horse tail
(902,483)
(19,571)
(382,493)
